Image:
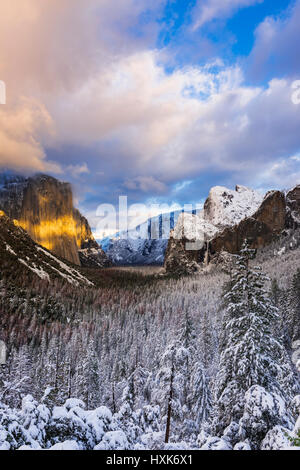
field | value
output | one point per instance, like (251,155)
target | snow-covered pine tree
(92,374)
(195,397)
(254,368)
(141,379)
(17,376)
(87,375)
(293,308)
(170,384)
(279,298)
(126,417)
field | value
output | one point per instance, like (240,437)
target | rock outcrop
(43,206)
(94,257)
(179,260)
(225,207)
(293,203)
(22,258)
(260,229)
(278,211)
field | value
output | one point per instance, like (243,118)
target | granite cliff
(43,206)
(227,220)
(22,258)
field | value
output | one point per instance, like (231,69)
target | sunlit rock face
(47,215)
(22,259)
(43,206)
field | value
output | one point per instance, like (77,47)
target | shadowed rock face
(293,202)
(276,213)
(43,206)
(179,260)
(259,230)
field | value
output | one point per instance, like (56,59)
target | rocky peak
(225,207)
(259,229)
(236,215)
(43,206)
(293,202)
(21,257)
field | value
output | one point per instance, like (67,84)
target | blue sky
(156,100)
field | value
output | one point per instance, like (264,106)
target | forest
(141,361)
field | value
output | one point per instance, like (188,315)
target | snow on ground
(38,271)
(74,274)
(10,250)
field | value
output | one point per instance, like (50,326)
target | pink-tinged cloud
(22,131)
(50,49)
(93,85)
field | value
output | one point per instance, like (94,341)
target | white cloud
(77,170)
(173,126)
(283,174)
(49,49)
(208,10)
(180,186)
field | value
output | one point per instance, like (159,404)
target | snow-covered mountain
(228,218)
(147,243)
(225,207)
(143,245)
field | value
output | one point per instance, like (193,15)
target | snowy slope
(22,256)
(225,207)
(194,227)
(143,245)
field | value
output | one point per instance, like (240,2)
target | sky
(158,101)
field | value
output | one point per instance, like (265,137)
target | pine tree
(92,372)
(195,396)
(169,384)
(293,308)
(127,417)
(251,355)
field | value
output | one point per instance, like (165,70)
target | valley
(104,345)
(149,230)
